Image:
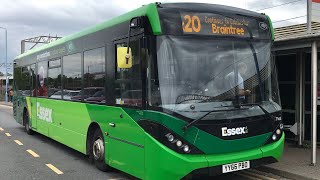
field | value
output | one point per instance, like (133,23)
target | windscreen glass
(197,75)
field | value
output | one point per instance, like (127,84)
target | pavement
(5,104)
(295,164)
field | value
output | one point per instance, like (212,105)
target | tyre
(27,124)
(97,151)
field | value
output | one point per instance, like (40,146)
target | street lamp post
(6,90)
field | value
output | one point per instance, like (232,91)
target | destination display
(222,25)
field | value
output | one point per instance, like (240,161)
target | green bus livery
(166,91)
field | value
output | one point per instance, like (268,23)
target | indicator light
(281,126)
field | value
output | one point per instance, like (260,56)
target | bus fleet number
(192,25)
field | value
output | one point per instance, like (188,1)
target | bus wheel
(27,124)
(98,150)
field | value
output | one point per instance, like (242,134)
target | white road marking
(56,170)
(1,129)
(32,153)
(18,142)
(8,134)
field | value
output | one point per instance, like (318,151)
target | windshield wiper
(270,116)
(257,69)
(199,119)
(254,57)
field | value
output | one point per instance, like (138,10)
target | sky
(30,18)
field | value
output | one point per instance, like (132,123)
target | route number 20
(192,24)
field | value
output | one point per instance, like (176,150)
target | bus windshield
(197,75)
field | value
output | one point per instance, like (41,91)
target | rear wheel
(27,123)
(98,150)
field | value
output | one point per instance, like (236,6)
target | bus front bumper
(163,163)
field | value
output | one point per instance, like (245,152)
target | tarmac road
(55,160)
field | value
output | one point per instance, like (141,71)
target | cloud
(25,19)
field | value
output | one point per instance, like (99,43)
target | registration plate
(235,166)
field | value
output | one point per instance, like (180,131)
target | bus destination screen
(223,25)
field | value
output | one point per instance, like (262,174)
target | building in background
(3,85)
(293,52)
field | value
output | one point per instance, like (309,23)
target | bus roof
(149,10)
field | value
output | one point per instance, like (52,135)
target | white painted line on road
(9,107)
(8,134)
(32,153)
(56,170)
(18,142)
(1,129)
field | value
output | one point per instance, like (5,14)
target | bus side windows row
(63,78)
(71,79)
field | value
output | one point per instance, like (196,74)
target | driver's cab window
(128,84)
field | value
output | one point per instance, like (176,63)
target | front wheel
(27,124)
(98,150)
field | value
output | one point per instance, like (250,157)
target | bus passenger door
(125,137)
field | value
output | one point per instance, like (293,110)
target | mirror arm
(128,43)
(129,35)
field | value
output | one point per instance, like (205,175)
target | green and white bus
(166,91)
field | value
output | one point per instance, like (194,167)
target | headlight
(276,135)
(168,137)
(186,148)
(179,143)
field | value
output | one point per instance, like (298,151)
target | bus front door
(125,144)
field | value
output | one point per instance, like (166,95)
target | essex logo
(43,113)
(234,131)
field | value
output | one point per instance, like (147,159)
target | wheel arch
(92,127)
(25,110)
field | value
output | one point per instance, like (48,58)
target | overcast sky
(29,18)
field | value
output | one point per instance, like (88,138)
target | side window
(72,77)
(42,79)
(54,79)
(32,80)
(128,84)
(94,75)
(21,77)
(16,81)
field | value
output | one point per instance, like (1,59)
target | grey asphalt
(16,163)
